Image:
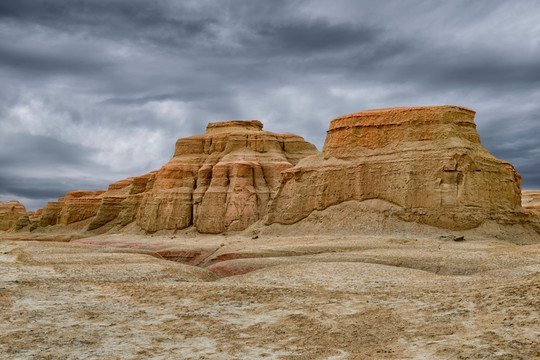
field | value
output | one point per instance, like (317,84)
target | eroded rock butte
(219,181)
(427,160)
(422,164)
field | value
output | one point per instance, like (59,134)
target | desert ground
(245,296)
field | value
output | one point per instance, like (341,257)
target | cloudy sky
(99,90)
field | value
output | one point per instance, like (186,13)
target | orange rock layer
(10,212)
(427,160)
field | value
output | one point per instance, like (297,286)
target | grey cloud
(33,62)
(160,23)
(308,37)
(491,72)
(513,137)
(43,188)
(40,151)
(468,68)
(184,95)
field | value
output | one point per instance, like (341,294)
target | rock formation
(219,181)
(10,212)
(222,180)
(531,200)
(422,165)
(427,160)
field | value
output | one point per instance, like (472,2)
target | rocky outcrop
(427,160)
(222,180)
(10,212)
(530,200)
(80,205)
(51,213)
(219,181)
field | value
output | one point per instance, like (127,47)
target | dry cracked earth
(249,297)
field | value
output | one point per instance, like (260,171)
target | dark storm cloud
(32,62)
(41,167)
(113,18)
(305,38)
(40,151)
(93,91)
(478,68)
(491,72)
(40,188)
(187,95)
(513,137)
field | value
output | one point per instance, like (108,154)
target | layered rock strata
(222,180)
(427,160)
(421,164)
(10,212)
(219,181)
(531,200)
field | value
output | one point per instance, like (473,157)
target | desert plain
(298,297)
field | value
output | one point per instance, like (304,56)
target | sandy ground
(117,297)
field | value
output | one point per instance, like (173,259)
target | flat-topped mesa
(218,137)
(229,136)
(234,125)
(428,160)
(421,164)
(380,128)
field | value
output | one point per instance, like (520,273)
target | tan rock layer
(10,212)
(427,160)
(531,200)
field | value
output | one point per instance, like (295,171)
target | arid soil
(268,297)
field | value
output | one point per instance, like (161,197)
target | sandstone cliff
(219,181)
(10,212)
(427,160)
(531,200)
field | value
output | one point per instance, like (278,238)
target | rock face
(219,181)
(222,180)
(531,200)
(427,160)
(10,212)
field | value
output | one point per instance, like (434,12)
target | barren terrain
(268,297)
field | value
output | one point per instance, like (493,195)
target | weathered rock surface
(222,180)
(80,205)
(531,200)
(10,212)
(219,181)
(426,160)
(51,213)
